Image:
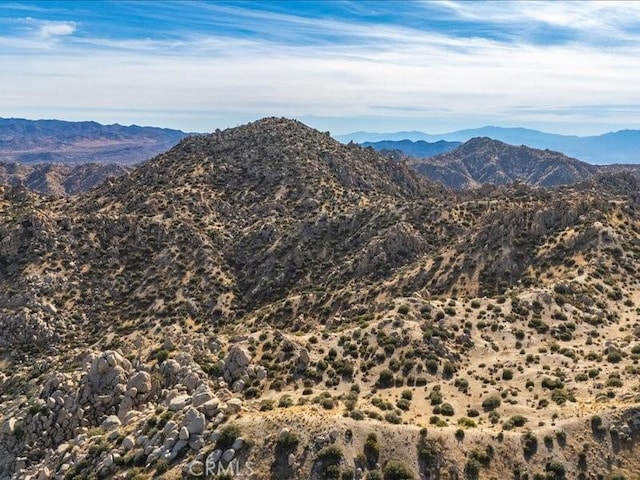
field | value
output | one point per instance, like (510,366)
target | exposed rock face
(68,406)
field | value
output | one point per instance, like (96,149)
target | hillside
(267,298)
(608,148)
(57,179)
(482,160)
(56,141)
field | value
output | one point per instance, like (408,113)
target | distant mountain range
(420,148)
(615,147)
(56,141)
(485,161)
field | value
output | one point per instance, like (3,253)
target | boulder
(179,403)
(112,422)
(194,421)
(141,381)
(234,404)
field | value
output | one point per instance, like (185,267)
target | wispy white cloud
(592,20)
(409,76)
(50,29)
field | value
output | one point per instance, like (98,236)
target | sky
(342,66)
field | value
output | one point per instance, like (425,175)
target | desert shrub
(466,422)
(614,356)
(403,404)
(491,403)
(529,444)
(288,442)
(228,435)
(518,420)
(392,417)
(552,383)
(432,366)
(371,449)
(462,384)
(331,455)
(447,410)
(472,469)
(555,471)
(394,470)
(448,370)
(385,379)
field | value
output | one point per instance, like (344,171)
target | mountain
(268,298)
(362,137)
(420,149)
(613,147)
(56,141)
(57,179)
(483,160)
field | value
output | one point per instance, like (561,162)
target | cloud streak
(49,30)
(457,66)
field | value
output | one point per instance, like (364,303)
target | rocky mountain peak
(483,160)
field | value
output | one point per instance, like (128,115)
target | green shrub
(529,444)
(228,435)
(491,403)
(371,450)
(447,410)
(466,422)
(555,471)
(331,455)
(385,379)
(394,470)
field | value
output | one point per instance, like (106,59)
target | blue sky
(337,65)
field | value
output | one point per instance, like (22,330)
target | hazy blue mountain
(362,137)
(49,141)
(614,147)
(419,149)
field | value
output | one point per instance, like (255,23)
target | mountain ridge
(612,147)
(483,160)
(267,294)
(58,141)
(419,148)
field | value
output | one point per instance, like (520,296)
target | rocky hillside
(56,141)
(483,160)
(58,179)
(267,300)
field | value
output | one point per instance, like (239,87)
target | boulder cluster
(145,414)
